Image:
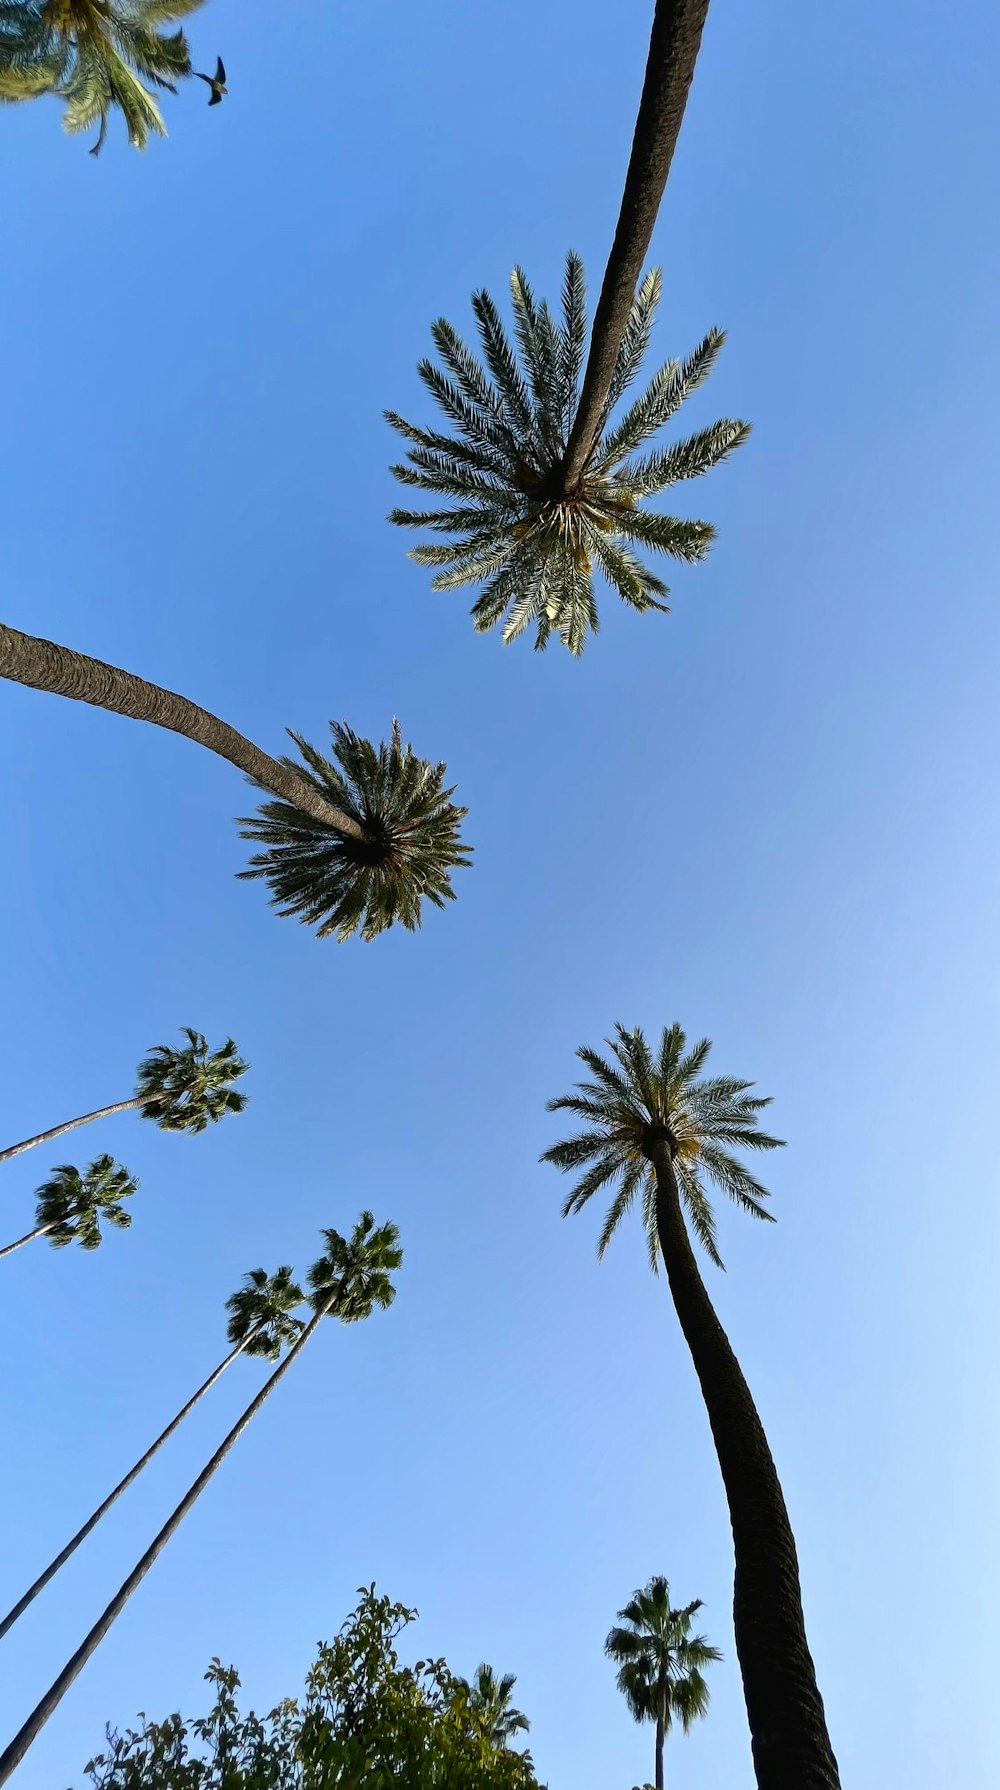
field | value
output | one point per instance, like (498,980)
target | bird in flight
(217,82)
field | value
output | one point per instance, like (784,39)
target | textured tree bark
(103,1112)
(791,1745)
(29,1238)
(673,51)
(42,665)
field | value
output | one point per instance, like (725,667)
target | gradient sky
(771,816)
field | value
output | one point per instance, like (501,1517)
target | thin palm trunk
(11,1758)
(122,1486)
(103,1112)
(42,665)
(673,51)
(791,1745)
(661,1729)
(29,1238)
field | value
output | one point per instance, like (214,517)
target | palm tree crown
(660,1661)
(354,1273)
(531,543)
(260,1313)
(74,1203)
(642,1100)
(409,844)
(190,1088)
(95,54)
(489,1695)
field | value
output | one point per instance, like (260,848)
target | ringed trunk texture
(42,665)
(29,1238)
(103,1112)
(11,1758)
(673,51)
(791,1745)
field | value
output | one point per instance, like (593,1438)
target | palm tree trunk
(29,1238)
(103,1112)
(660,1731)
(673,51)
(11,1758)
(43,665)
(791,1745)
(122,1486)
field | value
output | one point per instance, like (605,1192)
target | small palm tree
(490,1696)
(350,1280)
(660,1663)
(261,1323)
(96,55)
(531,541)
(72,1205)
(354,843)
(181,1090)
(659,1134)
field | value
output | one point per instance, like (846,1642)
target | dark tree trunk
(43,665)
(103,1112)
(661,1729)
(28,1238)
(791,1746)
(673,51)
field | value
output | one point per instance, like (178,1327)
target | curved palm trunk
(122,1486)
(12,1755)
(791,1745)
(42,665)
(29,1238)
(103,1112)
(673,51)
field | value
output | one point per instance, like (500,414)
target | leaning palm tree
(349,1281)
(353,843)
(490,1696)
(660,1135)
(180,1090)
(96,55)
(515,528)
(72,1206)
(660,1662)
(261,1323)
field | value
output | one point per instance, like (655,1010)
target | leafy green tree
(96,55)
(365,1722)
(180,1090)
(348,1282)
(660,1662)
(659,1134)
(71,1207)
(261,1323)
(492,1699)
(354,843)
(516,530)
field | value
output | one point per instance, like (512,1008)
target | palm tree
(95,54)
(354,843)
(660,1662)
(71,1206)
(655,1131)
(349,1281)
(533,545)
(261,1324)
(490,1697)
(180,1090)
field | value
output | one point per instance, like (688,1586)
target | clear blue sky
(771,816)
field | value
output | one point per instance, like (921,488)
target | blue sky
(770,815)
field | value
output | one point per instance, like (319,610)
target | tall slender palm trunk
(791,1745)
(122,1486)
(42,665)
(661,1730)
(28,1238)
(103,1112)
(11,1758)
(673,51)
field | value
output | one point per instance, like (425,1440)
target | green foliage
(261,1311)
(365,1722)
(491,1698)
(95,54)
(190,1088)
(74,1204)
(646,1100)
(355,1270)
(342,885)
(659,1660)
(515,528)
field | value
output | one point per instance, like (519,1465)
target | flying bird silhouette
(217,82)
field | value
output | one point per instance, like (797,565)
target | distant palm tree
(180,1090)
(490,1696)
(96,55)
(261,1323)
(354,843)
(516,529)
(72,1205)
(660,1662)
(348,1282)
(652,1127)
